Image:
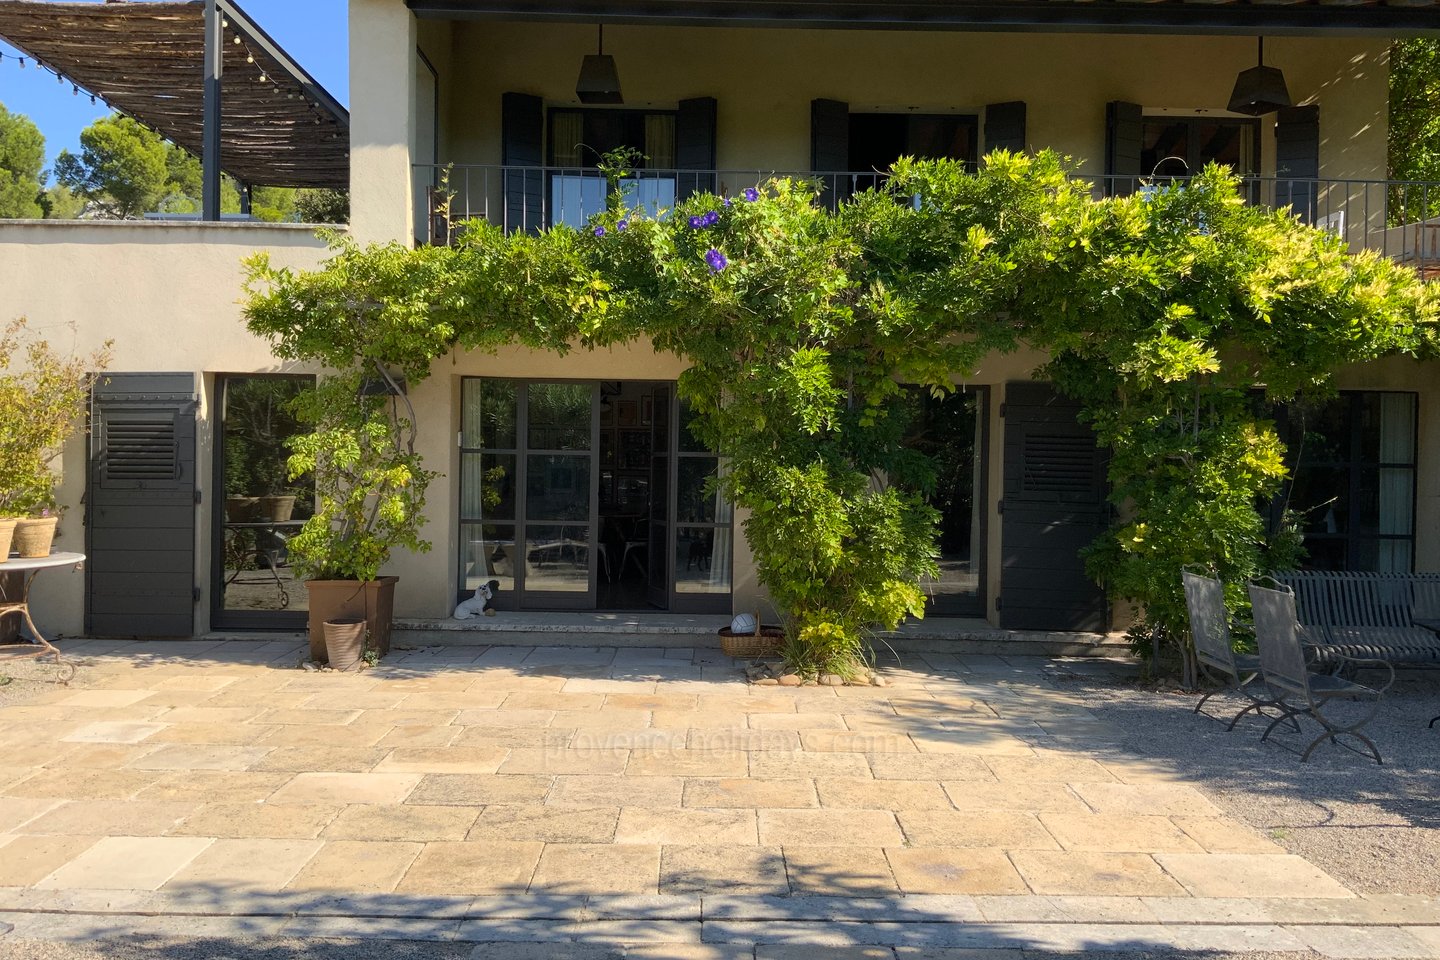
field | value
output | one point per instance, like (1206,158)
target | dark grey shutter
(695,146)
(830,147)
(1005,126)
(1054,506)
(1124,139)
(1297,154)
(522,133)
(140,506)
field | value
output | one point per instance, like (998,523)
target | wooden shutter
(1297,154)
(140,506)
(830,146)
(1005,126)
(1054,506)
(522,144)
(1124,137)
(695,144)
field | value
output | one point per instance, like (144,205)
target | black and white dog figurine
(480,603)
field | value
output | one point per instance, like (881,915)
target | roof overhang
(148,61)
(1396,17)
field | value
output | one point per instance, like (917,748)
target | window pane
(557,488)
(488,414)
(487,552)
(1165,149)
(487,486)
(557,558)
(560,416)
(702,559)
(694,505)
(689,443)
(1320,496)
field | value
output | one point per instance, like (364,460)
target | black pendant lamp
(1259,90)
(599,80)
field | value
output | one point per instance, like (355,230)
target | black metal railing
(1397,218)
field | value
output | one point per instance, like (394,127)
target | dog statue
(480,603)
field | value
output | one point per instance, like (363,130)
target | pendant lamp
(599,80)
(1259,90)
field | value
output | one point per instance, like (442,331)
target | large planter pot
(345,642)
(7,536)
(277,509)
(372,601)
(33,537)
(242,509)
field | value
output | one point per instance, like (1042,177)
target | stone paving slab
(493,792)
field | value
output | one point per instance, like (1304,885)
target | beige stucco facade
(169,293)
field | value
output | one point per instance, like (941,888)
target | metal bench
(1375,616)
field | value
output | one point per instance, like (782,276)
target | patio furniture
(1297,691)
(30,568)
(1393,617)
(1210,628)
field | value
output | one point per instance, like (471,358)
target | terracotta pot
(242,509)
(33,537)
(7,534)
(345,642)
(374,600)
(277,509)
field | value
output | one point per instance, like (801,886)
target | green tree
(322,206)
(22,155)
(1415,109)
(122,170)
(60,203)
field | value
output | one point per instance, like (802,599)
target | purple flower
(716,260)
(599,231)
(751,194)
(697,222)
(711,218)
(729,202)
(622,226)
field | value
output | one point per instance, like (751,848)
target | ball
(743,623)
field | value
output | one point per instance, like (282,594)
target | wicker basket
(750,646)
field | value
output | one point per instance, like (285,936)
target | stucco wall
(764,81)
(168,295)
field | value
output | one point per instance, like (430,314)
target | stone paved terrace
(632,801)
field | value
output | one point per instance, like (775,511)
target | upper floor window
(1182,146)
(877,140)
(578,141)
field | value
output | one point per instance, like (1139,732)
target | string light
(75,89)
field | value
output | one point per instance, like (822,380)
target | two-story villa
(573,480)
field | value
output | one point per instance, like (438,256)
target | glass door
(658,592)
(252,584)
(559,559)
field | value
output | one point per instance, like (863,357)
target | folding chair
(1299,692)
(1210,628)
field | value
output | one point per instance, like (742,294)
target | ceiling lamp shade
(599,80)
(1259,90)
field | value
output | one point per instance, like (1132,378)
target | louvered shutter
(522,136)
(140,506)
(1055,504)
(695,144)
(1005,126)
(1297,154)
(830,147)
(1124,139)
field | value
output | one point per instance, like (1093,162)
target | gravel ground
(1376,829)
(23,680)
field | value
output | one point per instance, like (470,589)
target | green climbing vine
(1163,313)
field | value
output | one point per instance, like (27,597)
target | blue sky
(312,31)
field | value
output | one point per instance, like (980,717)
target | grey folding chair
(1297,691)
(1210,628)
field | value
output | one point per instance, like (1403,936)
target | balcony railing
(1396,218)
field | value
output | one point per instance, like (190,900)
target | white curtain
(567,130)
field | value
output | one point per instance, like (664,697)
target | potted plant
(370,494)
(43,396)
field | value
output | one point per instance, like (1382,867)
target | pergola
(200,73)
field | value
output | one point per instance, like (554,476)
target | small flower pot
(7,535)
(33,537)
(345,642)
(277,509)
(242,509)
